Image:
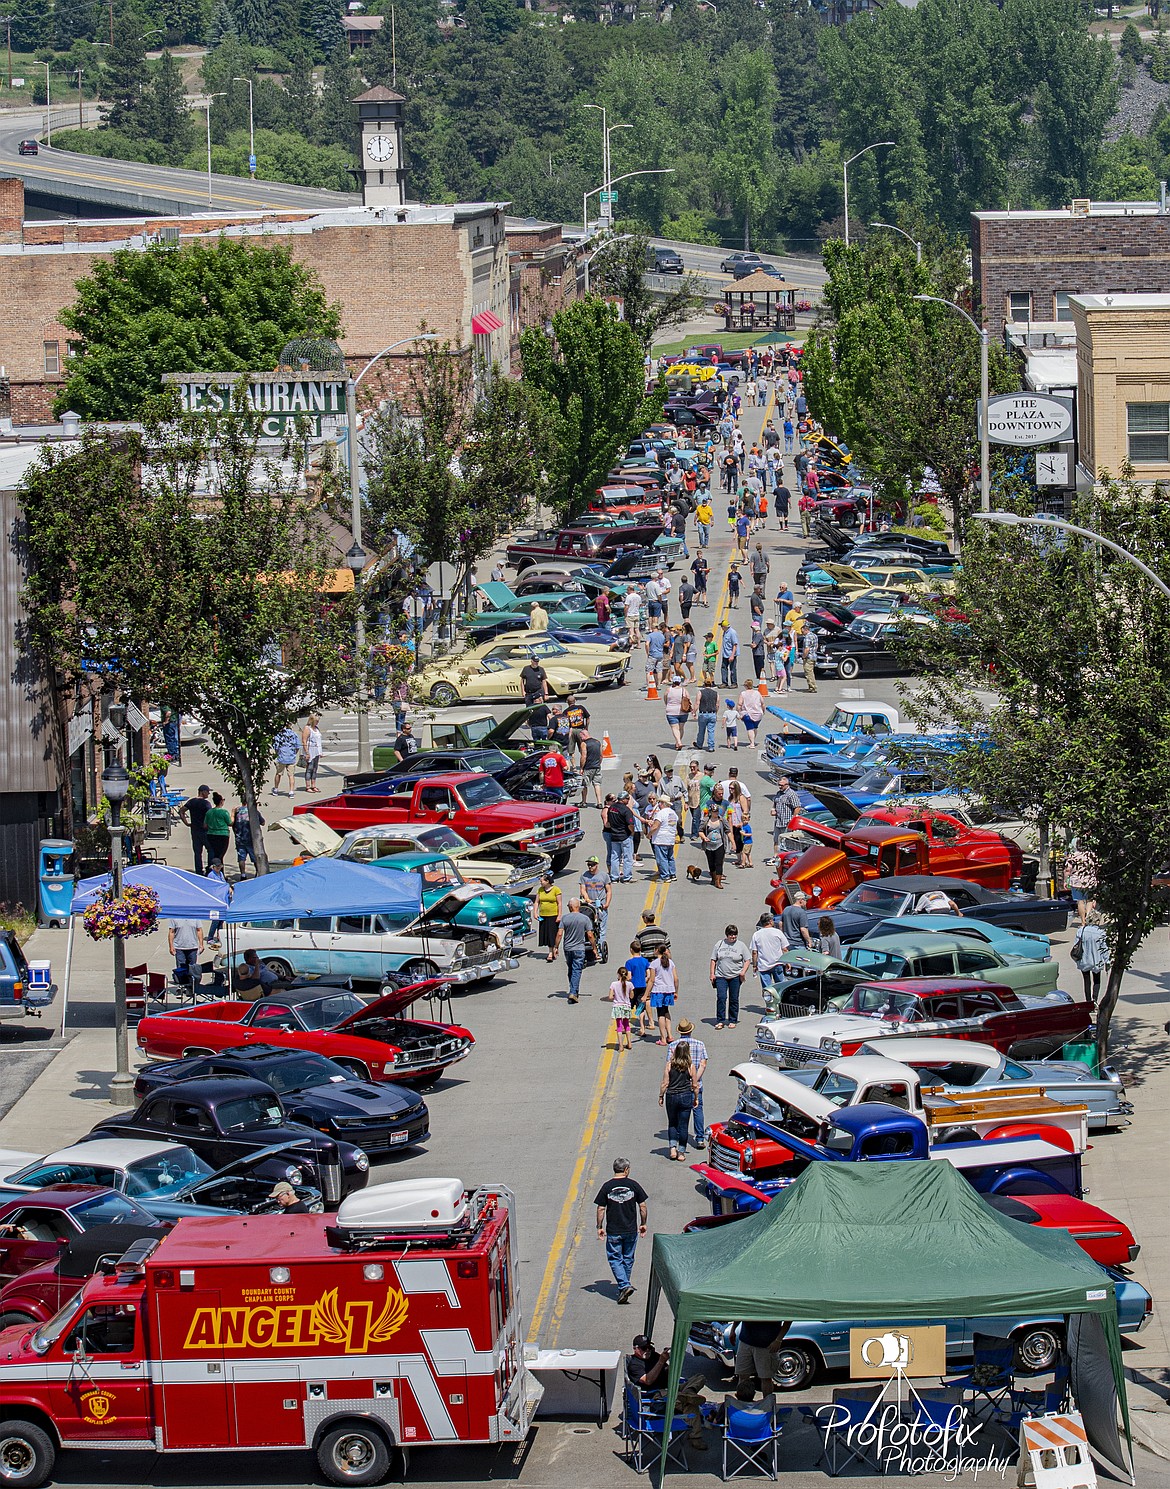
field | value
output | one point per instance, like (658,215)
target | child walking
(620,996)
(637,966)
(731,724)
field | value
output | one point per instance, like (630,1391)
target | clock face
(380,147)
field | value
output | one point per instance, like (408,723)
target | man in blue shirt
(729,658)
(655,647)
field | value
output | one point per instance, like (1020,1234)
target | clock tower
(383,170)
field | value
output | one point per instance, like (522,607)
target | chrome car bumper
(477,971)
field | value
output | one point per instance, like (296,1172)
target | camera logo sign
(876,1354)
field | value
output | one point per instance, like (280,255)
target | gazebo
(762,300)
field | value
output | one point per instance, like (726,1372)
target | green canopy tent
(882,1241)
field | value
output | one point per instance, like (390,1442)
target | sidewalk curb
(1151,1429)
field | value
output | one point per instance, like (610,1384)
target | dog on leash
(694,872)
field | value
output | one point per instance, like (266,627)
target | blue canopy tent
(181,896)
(325,886)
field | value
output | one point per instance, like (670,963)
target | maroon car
(35,1226)
(36,1295)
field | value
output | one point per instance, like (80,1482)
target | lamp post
(1014,519)
(667,170)
(984,348)
(207,105)
(251,129)
(889,226)
(116,786)
(877,145)
(600,108)
(355,527)
(48,115)
(613,238)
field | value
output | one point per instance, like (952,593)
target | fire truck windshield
(249,1111)
(50,1332)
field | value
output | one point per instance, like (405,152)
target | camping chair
(943,1414)
(143,984)
(837,1421)
(643,1431)
(751,1435)
(1045,1402)
(991,1374)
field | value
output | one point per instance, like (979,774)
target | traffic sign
(609,197)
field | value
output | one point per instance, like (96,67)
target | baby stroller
(590,910)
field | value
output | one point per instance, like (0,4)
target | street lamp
(207,105)
(356,557)
(600,108)
(877,145)
(984,347)
(116,786)
(251,129)
(667,170)
(1014,519)
(615,238)
(889,226)
(48,115)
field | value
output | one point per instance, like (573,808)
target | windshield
(165,1172)
(889,1004)
(878,781)
(861,745)
(49,1333)
(872,899)
(1012,1071)
(479,729)
(864,628)
(248,1112)
(326,1012)
(546,649)
(840,720)
(438,874)
(110,1209)
(485,793)
(303,1073)
(835,1088)
(438,839)
(877,963)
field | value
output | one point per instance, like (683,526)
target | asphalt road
(187,190)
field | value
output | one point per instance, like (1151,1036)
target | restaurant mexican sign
(281,398)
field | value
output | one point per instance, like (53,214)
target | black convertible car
(314,1090)
(880,899)
(520,778)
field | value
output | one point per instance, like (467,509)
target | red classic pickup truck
(475,805)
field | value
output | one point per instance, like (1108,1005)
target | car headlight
(482,917)
(294,1174)
(361,1161)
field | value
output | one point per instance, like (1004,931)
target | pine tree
(252,20)
(165,114)
(300,94)
(325,24)
(336,115)
(126,78)
(223,25)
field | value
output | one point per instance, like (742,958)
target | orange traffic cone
(606,747)
(763,687)
(652,688)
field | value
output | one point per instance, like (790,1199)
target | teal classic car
(571,610)
(477,907)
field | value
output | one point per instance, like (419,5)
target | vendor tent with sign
(894,1241)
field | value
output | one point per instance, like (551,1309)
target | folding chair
(1045,1402)
(643,1433)
(751,1435)
(991,1374)
(143,985)
(838,1421)
(933,1412)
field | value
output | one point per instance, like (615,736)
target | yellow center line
(92,178)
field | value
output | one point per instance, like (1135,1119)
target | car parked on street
(34,1227)
(881,899)
(519,778)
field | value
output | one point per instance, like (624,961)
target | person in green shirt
(218,827)
(706,787)
(710,652)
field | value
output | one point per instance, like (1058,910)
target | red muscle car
(371,1039)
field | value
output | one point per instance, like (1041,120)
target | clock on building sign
(380,147)
(1052,469)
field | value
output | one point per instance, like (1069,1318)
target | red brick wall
(1080,255)
(11,208)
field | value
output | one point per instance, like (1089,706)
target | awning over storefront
(485,323)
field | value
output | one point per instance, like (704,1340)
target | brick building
(390,268)
(543,269)
(1123,384)
(1026,265)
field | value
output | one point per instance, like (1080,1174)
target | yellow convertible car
(493,669)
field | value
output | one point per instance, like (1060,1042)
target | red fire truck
(394,1326)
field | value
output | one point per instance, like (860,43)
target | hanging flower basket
(135,914)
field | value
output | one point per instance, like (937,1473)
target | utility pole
(393,51)
(48,114)
(8,23)
(80,111)
(111,9)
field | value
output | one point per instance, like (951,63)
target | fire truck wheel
(354,1453)
(27,1454)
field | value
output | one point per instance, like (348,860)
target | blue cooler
(56,881)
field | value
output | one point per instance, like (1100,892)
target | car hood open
(310,833)
(240,1166)
(392,1003)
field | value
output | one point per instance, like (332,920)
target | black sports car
(314,1090)
(881,899)
(520,778)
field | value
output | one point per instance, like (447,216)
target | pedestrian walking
(655,652)
(783,499)
(686,1035)
(534,681)
(737,811)
(810,648)
(713,841)
(548,914)
(619,824)
(794,922)
(677,1095)
(768,945)
(704,517)
(620,995)
(729,960)
(575,936)
(705,717)
(687,594)
(621,1219)
(751,709)
(537,617)
(1090,952)
(729,657)
(632,608)
(662,826)
(828,941)
(193,814)
(789,435)
(217,824)
(312,744)
(662,989)
(730,724)
(590,767)
(690,650)
(1080,879)
(785,805)
(242,832)
(637,964)
(760,565)
(286,746)
(679,706)
(597,890)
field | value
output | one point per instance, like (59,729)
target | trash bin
(56,881)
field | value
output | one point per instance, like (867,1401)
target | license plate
(399,1137)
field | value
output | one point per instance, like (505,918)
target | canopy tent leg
(68,972)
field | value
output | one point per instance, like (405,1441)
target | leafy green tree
(461,472)
(126,78)
(300,93)
(1071,114)
(621,268)
(190,610)
(1077,721)
(336,114)
(743,164)
(590,374)
(225,306)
